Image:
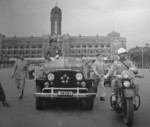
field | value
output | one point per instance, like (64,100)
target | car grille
(65,79)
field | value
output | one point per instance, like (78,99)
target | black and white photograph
(74,63)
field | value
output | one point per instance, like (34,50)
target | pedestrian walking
(98,68)
(20,70)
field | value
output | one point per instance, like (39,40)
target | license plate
(65,93)
(129,93)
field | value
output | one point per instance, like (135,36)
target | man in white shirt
(98,68)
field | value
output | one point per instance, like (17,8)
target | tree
(136,54)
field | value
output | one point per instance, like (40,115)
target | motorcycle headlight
(79,76)
(50,76)
(126,76)
(126,83)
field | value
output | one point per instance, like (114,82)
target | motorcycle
(128,99)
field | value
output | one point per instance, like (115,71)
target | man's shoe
(20,97)
(102,98)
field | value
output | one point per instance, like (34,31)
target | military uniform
(20,73)
(52,52)
(98,68)
(117,68)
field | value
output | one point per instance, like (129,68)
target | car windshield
(64,62)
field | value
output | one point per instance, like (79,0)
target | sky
(130,18)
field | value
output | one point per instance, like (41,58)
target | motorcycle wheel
(128,111)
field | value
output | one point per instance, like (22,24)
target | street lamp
(142,53)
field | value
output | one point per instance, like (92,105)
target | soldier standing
(20,74)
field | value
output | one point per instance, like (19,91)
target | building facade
(79,46)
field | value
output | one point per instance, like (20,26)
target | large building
(80,46)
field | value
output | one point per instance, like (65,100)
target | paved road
(23,113)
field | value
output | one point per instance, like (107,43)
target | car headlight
(79,76)
(126,83)
(126,76)
(50,76)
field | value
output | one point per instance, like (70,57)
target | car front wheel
(89,103)
(38,100)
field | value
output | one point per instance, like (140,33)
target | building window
(27,46)
(71,46)
(21,47)
(84,51)
(108,46)
(33,46)
(84,46)
(39,52)
(96,46)
(78,46)
(39,46)
(33,52)
(90,46)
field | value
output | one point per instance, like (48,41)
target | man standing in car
(53,52)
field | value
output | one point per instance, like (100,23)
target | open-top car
(64,78)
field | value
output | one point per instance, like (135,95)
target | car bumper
(77,94)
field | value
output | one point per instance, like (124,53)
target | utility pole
(142,50)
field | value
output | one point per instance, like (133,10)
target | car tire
(89,103)
(39,101)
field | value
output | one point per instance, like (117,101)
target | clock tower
(56,17)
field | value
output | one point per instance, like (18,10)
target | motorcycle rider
(123,63)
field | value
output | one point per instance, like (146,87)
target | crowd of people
(99,69)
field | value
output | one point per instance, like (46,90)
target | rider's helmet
(121,51)
(105,59)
